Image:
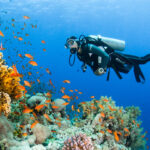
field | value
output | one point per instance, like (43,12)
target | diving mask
(71,43)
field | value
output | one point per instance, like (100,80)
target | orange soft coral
(8,83)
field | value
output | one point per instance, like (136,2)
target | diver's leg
(146,58)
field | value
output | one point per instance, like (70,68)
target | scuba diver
(102,53)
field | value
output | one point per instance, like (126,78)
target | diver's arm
(100,52)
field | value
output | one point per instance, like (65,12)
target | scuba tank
(111,42)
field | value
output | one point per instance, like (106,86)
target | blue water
(58,19)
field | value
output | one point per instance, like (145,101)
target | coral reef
(101,125)
(5,104)
(78,142)
(110,120)
(8,82)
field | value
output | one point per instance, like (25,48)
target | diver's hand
(100,71)
(84,67)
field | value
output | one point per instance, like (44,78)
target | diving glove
(100,71)
(84,67)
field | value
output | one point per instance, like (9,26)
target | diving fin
(138,73)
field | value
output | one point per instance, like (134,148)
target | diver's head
(72,43)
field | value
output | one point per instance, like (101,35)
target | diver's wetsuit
(94,56)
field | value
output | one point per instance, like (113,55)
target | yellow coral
(5,103)
(8,83)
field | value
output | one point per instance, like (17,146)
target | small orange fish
(76,90)
(80,92)
(27,110)
(38,80)
(49,94)
(20,38)
(102,114)
(14,68)
(55,107)
(108,130)
(22,126)
(47,117)
(72,107)
(101,131)
(100,119)
(32,118)
(24,134)
(138,125)
(43,42)
(26,34)
(83,102)
(65,97)
(18,96)
(53,131)
(111,109)
(58,123)
(33,63)
(116,136)
(133,121)
(78,110)
(26,17)
(93,107)
(120,110)
(125,129)
(71,90)
(126,134)
(16,75)
(47,70)
(50,81)
(119,133)
(39,107)
(77,97)
(29,56)
(111,117)
(34,114)
(105,100)
(122,122)
(66,81)
(33,124)
(20,55)
(27,83)
(29,73)
(22,88)
(15,37)
(1,47)
(44,49)
(101,106)
(92,97)
(13,25)
(47,101)
(1,33)
(65,104)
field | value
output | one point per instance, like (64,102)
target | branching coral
(110,120)
(78,142)
(5,103)
(9,83)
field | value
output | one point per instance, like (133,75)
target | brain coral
(4,103)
